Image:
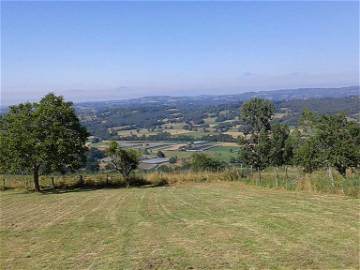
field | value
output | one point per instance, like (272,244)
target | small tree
(202,162)
(124,160)
(257,114)
(42,137)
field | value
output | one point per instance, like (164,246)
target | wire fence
(289,178)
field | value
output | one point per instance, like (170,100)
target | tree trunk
(126,175)
(127,181)
(36,178)
(331,176)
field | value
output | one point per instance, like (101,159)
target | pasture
(219,225)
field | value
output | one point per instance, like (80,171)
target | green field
(225,225)
(222,153)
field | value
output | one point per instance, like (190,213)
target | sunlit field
(224,225)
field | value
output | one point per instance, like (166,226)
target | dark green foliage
(281,146)
(257,113)
(339,142)
(173,160)
(92,159)
(160,154)
(202,162)
(256,152)
(326,105)
(332,141)
(307,155)
(123,160)
(291,145)
(42,137)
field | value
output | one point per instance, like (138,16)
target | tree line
(320,141)
(45,137)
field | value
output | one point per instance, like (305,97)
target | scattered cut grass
(224,225)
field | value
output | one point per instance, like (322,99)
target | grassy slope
(204,226)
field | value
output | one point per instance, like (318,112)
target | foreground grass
(190,226)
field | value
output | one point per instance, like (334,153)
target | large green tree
(332,141)
(339,142)
(257,114)
(307,155)
(256,152)
(281,146)
(42,137)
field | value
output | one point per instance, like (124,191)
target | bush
(202,162)
(351,187)
(160,154)
(173,160)
(165,168)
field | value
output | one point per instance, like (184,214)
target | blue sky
(113,50)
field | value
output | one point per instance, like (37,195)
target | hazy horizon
(88,51)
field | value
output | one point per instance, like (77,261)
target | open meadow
(220,225)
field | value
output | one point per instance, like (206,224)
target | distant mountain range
(275,95)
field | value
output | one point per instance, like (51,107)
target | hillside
(276,95)
(204,116)
(193,226)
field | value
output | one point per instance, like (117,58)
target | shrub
(351,187)
(202,162)
(173,160)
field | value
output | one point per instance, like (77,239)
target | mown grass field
(225,225)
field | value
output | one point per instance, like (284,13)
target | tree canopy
(257,113)
(332,141)
(123,160)
(42,137)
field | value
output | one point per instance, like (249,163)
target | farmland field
(191,226)
(223,153)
